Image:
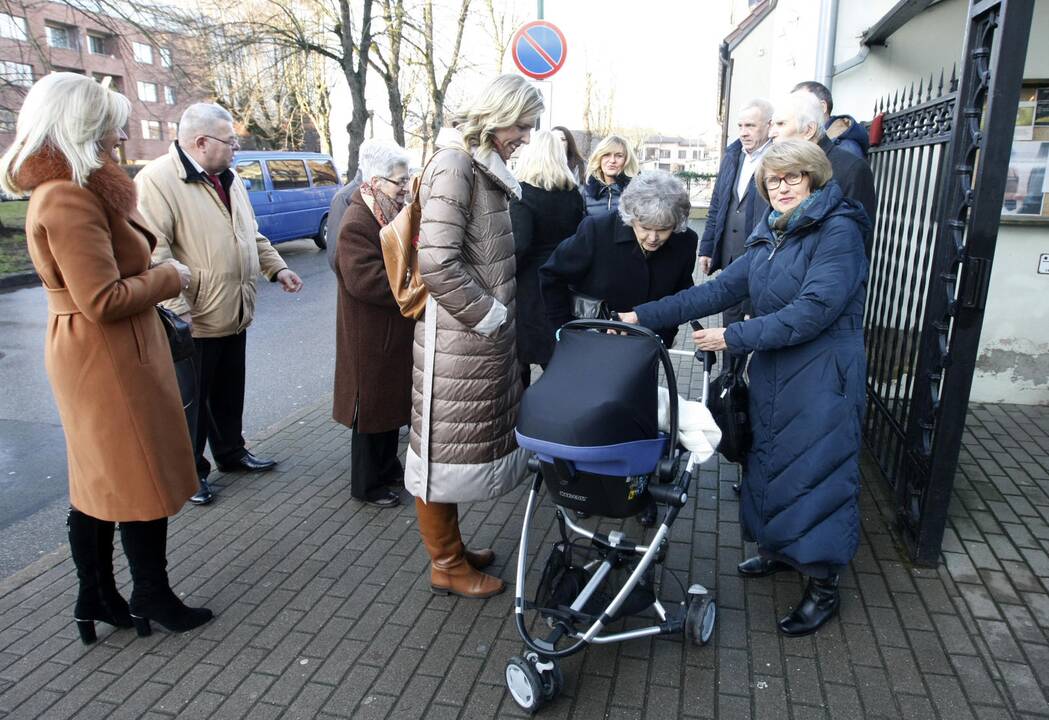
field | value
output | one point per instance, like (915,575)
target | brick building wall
(41,37)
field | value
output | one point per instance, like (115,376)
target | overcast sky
(659,55)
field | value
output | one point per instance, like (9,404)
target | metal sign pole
(539,9)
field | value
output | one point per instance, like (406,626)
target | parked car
(290,192)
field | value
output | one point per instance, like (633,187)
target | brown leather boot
(478,559)
(449,570)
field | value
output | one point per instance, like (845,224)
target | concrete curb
(19,279)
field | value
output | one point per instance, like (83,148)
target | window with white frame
(98,44)
(12,27)
(143,53)
(165,56)
(172,130)
(151,130)
(61,36)
(147,91)
(169,95)
(8,120)
(14,73)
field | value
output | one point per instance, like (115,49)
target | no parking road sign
(539,49)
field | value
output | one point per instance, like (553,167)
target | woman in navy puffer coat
(805,275)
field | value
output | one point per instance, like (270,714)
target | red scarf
(383,207)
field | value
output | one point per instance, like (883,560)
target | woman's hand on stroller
(627,317)
(709,340)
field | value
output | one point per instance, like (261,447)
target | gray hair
(201,119)
(657,199)
(806,110)
(380,159)
(763,106)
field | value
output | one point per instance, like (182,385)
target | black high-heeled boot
(818,605)
(91,544)
(145,544)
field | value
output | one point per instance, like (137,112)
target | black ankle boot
(818,605)
(91,544)
(145,544)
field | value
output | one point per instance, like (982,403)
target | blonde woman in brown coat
(466,381)
(130,459)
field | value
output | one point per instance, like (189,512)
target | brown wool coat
(466,382)
(373,344)
(106,353)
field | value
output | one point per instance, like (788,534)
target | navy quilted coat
(801,489)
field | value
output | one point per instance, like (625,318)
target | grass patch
(14,255)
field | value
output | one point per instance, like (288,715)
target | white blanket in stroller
(696,431)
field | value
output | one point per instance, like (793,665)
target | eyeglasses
(234,144)
(772,182)
(401,183)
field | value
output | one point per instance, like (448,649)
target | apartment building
(37,38)
(677,154)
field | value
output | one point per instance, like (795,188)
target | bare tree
(500,26)
(387,62)
(598,111)
(437,81)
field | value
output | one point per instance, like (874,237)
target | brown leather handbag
(399,241)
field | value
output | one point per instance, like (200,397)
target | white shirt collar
(758,152)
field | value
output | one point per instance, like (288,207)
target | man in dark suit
(800,115)
(736,206)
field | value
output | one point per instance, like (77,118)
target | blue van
(290,192)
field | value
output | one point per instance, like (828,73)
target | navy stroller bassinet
(592,421)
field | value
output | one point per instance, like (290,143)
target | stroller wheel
(524,684)
(700,619)
(552,679)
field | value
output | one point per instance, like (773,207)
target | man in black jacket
(735,206)
(801,116)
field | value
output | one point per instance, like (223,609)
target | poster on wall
(1027,181)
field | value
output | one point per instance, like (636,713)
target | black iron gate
(940,176)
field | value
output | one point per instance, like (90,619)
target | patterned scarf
(383,207)
(781,223)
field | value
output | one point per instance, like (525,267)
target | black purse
(585,307)
(180,336)
(728,402)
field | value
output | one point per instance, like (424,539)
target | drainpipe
(828,29)
(725,89)
(853,61)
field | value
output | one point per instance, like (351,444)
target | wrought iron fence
(940,175)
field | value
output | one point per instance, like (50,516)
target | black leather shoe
(818,605)
(249,463)
(386,499)
(204,494)
(758,566)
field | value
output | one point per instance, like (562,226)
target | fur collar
(114,189)
(488,161)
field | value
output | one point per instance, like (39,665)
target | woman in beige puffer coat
(466,381)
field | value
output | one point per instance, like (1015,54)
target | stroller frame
(536,677)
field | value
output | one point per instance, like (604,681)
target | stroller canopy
(598,392)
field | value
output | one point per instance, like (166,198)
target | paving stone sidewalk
(324,609)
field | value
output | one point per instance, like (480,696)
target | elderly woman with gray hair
(373,344)
(643,252)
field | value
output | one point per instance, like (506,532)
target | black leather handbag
(728,402)
(585,307)
(180,336)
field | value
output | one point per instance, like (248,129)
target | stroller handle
(664,358)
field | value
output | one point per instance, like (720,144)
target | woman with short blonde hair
(549,211)
(107,356)
(611,166)
(465,383)
(805,274)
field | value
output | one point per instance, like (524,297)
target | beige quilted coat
(466,382)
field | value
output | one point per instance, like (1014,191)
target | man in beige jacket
(202,217)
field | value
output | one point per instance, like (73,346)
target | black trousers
(373,463)
(220,407)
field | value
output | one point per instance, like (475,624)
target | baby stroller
(592,421)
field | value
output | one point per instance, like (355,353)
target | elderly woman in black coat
(643,252)
(549,211)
